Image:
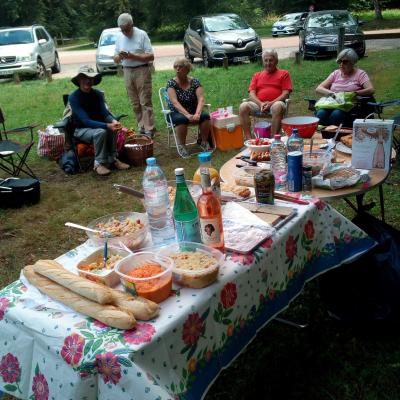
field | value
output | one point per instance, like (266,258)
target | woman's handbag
(341,101)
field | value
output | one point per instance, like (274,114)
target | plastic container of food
(92,267)
(195,265)
(146,274)
(306,125)
(318,159)
(129,228)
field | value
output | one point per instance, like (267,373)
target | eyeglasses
(126,29)
(343,62)
(179,66)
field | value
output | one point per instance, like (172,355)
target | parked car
(319,37)
(214,37)
(27,50)
(289,24)
(105,50)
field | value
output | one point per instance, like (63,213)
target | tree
(378,11)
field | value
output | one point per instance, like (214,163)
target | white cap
(179,171)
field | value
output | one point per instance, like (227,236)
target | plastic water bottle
(278,162)
(156,202)
(295,142)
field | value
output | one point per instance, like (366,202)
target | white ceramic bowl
(250,144)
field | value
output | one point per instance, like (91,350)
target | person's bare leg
(205,130)
(244,114)
(181,132)
(277,111)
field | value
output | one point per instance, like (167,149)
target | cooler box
(227,132)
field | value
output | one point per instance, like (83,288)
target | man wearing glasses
(133,50)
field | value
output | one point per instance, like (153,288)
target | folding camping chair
(194,138)
(13,154)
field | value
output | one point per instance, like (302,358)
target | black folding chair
(13,153)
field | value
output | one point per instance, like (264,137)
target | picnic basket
(136,149)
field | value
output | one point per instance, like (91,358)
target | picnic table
(49,351)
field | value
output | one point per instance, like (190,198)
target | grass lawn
(326,361)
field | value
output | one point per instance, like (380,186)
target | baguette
(56,272)
(108,314)
(140,307)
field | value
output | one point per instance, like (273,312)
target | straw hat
(89,72)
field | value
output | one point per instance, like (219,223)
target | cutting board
(270,213)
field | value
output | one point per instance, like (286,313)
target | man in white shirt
(133,50)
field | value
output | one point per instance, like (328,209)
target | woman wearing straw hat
(94,123)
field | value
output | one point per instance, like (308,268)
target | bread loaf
(108,314)
(140,307)
(241,191)
(57,273)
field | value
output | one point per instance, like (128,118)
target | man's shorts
(255,108)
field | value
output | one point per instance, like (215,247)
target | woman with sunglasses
(186,101)
(348,78)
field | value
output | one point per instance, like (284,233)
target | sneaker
(183,151)
(205,146)
(120,165)
(102,170)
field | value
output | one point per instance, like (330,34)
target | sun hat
(89,72)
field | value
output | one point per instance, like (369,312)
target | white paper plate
(253,147)
(343,148)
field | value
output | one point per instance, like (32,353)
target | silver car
(216,37)
(105,50)
(289,24)
(27,50)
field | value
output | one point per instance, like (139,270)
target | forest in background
(166,19)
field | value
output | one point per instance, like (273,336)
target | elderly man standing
(268,91)
(133,49)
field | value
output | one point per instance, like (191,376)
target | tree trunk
(378,11)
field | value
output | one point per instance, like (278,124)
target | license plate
(331,48)
(238,59)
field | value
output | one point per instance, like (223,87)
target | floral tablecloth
(48,352)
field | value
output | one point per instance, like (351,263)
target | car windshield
(330,20)
(224,23)
(108,39)
(290,17)
(19,36)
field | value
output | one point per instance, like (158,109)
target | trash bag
(69,163)
(341,101)
(368,289)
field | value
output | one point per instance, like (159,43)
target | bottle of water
(278,162)
(295,142)
(156,202)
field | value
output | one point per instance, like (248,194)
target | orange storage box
(227,132)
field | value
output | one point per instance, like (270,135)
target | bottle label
(188,231)
(210,232)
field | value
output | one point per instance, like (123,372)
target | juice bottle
(205,162)
(210,215)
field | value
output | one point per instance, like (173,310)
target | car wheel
(57,66)
(302,51)
(207,61)
(274,35)
(362,52)
(40,70)
(187,53)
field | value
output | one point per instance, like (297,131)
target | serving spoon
(85,228)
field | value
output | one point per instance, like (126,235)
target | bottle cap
(204,157)
(179,171)
(295,130)
(151,161)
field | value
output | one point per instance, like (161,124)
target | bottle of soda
(278,162)
(295,142)
(156,202)
(205,162)
(185,212)
(209,207)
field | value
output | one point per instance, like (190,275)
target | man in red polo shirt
(268,91)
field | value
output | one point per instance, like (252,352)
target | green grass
(324,362)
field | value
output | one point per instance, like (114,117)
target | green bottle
(185,212)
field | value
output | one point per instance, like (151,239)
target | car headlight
(311,40)
(24,58)
(215,41)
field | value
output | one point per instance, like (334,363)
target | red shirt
(269,86)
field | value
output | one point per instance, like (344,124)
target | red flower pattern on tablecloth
(3,306)
(99,324)
(9,368)
(244,259)
(40,387)
(193,328)
(141,333)
(267,244)
(309,230)
(347,238)
(109,367)
(320,204)
(73,348)
(291,247)
(228,295)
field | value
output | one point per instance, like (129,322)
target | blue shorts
(179,119)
